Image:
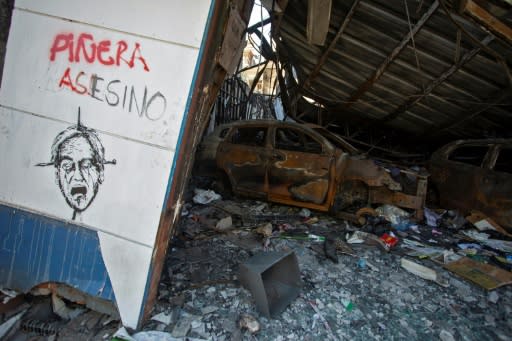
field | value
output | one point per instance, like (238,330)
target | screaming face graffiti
(79,158)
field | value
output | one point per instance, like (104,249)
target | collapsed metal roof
(417,66)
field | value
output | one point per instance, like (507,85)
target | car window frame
(497,150)
(302,131)
(229,136)
(485,160)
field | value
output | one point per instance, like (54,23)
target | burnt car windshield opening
(504,161)
(293,140)
(334,140)
(472,155)
(249,136)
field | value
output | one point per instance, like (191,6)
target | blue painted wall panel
(36,249)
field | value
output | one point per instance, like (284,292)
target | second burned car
(306,166)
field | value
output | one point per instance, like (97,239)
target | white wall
(37,103)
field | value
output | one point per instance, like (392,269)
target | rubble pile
(355,285)
(386,277)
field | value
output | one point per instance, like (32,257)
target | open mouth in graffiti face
(79,193)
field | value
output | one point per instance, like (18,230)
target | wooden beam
(413,100)
(325,54)
(319,17)
(391,57)
(488,20)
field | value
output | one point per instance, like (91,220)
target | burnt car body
(303,165)
(475,175)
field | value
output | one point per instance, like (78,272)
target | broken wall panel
(30,255)
(92,105)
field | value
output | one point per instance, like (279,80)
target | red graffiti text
(84,47)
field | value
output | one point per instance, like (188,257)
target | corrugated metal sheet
(422,89)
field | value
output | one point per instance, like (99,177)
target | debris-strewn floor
(201,297)
(365,295)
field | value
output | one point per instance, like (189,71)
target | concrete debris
(7,325)
(264,230)
(250,323)
(60,308)
(493,297)
(224,224)
(182,328)
(446,336)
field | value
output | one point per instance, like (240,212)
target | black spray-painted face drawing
(79,158)
(77,174)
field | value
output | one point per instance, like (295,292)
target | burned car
(306,166)
(475,175)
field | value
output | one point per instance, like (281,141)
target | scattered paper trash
(389,240)
(162,318)
(151,335)
(392,214)
(465,246)
(487,276)
(432,218)
(422,271)
(359,237)
(204,197)
(305,213)
(484,223)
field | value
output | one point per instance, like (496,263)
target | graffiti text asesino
(83,48)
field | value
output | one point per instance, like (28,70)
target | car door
(299,167)
(495,197)
(242,155)
(459,174)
